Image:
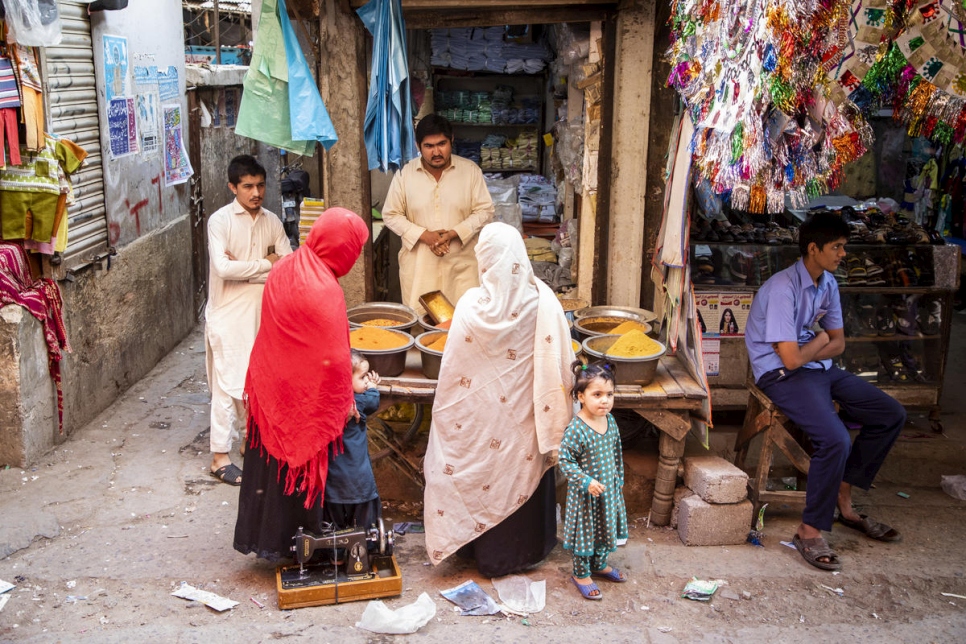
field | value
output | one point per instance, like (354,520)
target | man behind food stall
(437,204)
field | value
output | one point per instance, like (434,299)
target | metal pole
(217,34)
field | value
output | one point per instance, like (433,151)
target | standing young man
(244,241)
(437,204)
(794,330)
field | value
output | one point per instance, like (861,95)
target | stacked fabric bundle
(484,49)
(538,198)
(468,150)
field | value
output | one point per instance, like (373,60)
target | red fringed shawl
(42,299)
(299,382)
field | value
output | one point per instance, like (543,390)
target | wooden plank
(690,386)
(790,448)
(627,393)
(653,391)
(668,382)
(675,425)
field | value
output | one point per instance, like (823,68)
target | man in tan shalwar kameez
(244,241)
(437,204)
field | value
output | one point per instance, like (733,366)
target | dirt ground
(98,534)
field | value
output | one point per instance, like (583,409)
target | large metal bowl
(627,371)
(427,323)
(431,359)
(603,324)
(616,312)
(389,362)
(404,316)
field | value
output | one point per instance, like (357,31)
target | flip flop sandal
(586,590)
(814,549)
(613,574)
(872,529)
(230,474)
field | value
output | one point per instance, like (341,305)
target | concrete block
(715,480)
(705,524)
(680,492)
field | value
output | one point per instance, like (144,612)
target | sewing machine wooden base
(386,583)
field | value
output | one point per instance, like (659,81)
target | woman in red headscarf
(298,389)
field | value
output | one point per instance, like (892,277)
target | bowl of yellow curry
(385,349)
(634,354)
(608,325)
(386,315)
(431,345)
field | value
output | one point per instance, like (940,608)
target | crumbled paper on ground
(700,590)
(5,586)
(520,594)
(472,599)
(378,618)
(211,600)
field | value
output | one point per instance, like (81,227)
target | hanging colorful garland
(754,76)
(779,90)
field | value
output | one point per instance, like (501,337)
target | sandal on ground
(586,591)
(613,574)
(230,474)
(872,529)
(814,549)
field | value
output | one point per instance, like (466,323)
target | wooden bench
(762,416)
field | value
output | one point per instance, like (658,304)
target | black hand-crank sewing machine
(339,566)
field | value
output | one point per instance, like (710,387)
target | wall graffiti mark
(113,232)
(135,211)
(157,181)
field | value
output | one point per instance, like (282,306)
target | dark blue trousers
(806,396)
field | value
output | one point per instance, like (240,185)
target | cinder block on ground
(680,492)
(719,524)
(715,480)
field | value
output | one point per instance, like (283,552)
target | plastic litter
(3,601)
(471,599)
(700,590)
(902,494)
(832,591)
(5,586)
(758,533)
(954,595)
(379,618)
(219,603)
(954,485)
(520,594)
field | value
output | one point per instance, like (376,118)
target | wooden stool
(763,416)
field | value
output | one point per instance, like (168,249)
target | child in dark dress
(351,497)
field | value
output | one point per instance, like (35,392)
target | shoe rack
(896,304)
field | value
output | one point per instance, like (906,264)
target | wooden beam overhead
(437,5)
(495,17)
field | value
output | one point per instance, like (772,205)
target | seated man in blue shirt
(793,331)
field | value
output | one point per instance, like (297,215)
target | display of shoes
(906,313)
(885,321)
(930,317)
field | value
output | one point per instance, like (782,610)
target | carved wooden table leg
(674,427)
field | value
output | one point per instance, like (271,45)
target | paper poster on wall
(122,126)
(723,314)
(177,167)
(711,354)
(146,75)
(168,83)
(149,119)
(115,66)
(231,107)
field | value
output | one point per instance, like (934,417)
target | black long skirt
(267,517)
(523,539)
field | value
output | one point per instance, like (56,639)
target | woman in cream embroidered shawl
(502,402)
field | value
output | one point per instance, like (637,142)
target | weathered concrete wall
(122,321)
(28,402)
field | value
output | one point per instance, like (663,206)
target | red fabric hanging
(299,387)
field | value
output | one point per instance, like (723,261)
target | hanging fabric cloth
(281,104)
(671,271)
(388,130)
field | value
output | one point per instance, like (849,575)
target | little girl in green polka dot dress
(590,457)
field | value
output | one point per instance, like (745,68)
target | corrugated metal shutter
(71,100)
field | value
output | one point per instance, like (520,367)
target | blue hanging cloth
(388,130)
(309,118)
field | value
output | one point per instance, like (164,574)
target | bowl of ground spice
(386,315)
(431,345)
(609,325)
(634,354)
(385,349)
(427,323)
